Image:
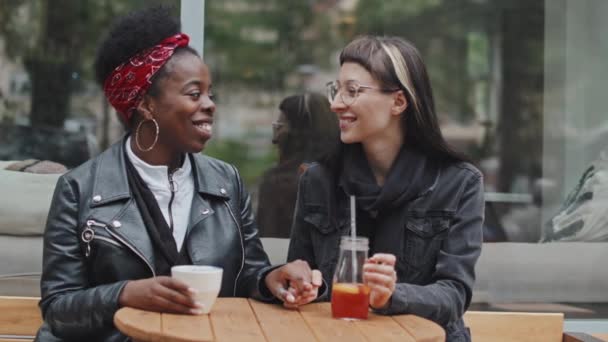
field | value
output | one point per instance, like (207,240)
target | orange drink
(349,301)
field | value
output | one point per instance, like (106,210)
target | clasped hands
(294,283)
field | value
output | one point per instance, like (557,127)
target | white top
(157,180)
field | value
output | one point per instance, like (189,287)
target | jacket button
(96,199)
(222,191)
(116,224)
(205,211)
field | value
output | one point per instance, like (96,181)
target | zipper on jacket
(89,234)
(238,226)
(108,240)
(173,188)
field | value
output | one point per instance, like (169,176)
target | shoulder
(316,172)
(463,172)
(213,173)
(457,181)
(316,177)
(81,176)
(214,167)
(317,184)
(81,172)
(84,175)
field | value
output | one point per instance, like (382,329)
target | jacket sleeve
(251,281)
(69,305)
(300,243)
(447,298)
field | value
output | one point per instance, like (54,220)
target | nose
(337,105)
(207,105)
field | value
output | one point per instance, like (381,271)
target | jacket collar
(111,182)
(208,178)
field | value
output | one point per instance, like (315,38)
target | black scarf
(165,248)
(411,176)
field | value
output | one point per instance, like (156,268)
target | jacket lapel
(113,205)
(207,186)
(201,209)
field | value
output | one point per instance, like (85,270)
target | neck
(381,153)
(159,156)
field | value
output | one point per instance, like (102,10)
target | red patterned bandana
(128,83)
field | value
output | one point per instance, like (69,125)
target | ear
(399,103)
(146,107)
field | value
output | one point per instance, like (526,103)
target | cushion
(24,201)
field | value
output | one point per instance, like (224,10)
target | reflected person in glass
(119,222)
(302,132)
(418,202)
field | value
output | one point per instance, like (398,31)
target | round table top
(235,319)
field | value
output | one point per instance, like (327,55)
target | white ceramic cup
(207,280)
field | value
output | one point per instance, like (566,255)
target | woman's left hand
(294,283)
(379,274)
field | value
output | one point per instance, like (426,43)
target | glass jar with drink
(349,296)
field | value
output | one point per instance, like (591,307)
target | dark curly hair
(133,33)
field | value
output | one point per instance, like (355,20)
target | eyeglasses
(350,91)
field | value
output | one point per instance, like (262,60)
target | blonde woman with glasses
(419,203)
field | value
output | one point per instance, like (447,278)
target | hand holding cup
(380,275)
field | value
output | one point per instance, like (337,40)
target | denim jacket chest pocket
(422,239)
(318,217)
(325,235)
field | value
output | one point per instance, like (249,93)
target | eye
(195,95)
(211,95)
(351,90)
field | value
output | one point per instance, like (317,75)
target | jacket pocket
(422,240)
(325,233)
(318,217)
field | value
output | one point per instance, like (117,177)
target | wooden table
(239,319)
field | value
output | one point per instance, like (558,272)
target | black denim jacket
(436,249)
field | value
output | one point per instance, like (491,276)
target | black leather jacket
(436,249)
(81,281)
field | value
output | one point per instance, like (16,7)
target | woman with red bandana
(119,222)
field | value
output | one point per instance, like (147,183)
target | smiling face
(371,114)
(183,107)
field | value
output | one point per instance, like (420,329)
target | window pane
(518,87)
(53,117)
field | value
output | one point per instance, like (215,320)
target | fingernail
(196,311)
(198,304)
(192,290)
(290,298)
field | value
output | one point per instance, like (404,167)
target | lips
(346,121)
(204,126)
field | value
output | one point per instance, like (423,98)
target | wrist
(268,278)
(382,307)
(123,297)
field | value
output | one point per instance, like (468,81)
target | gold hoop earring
(155,135)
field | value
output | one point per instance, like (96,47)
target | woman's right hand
(160,294)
